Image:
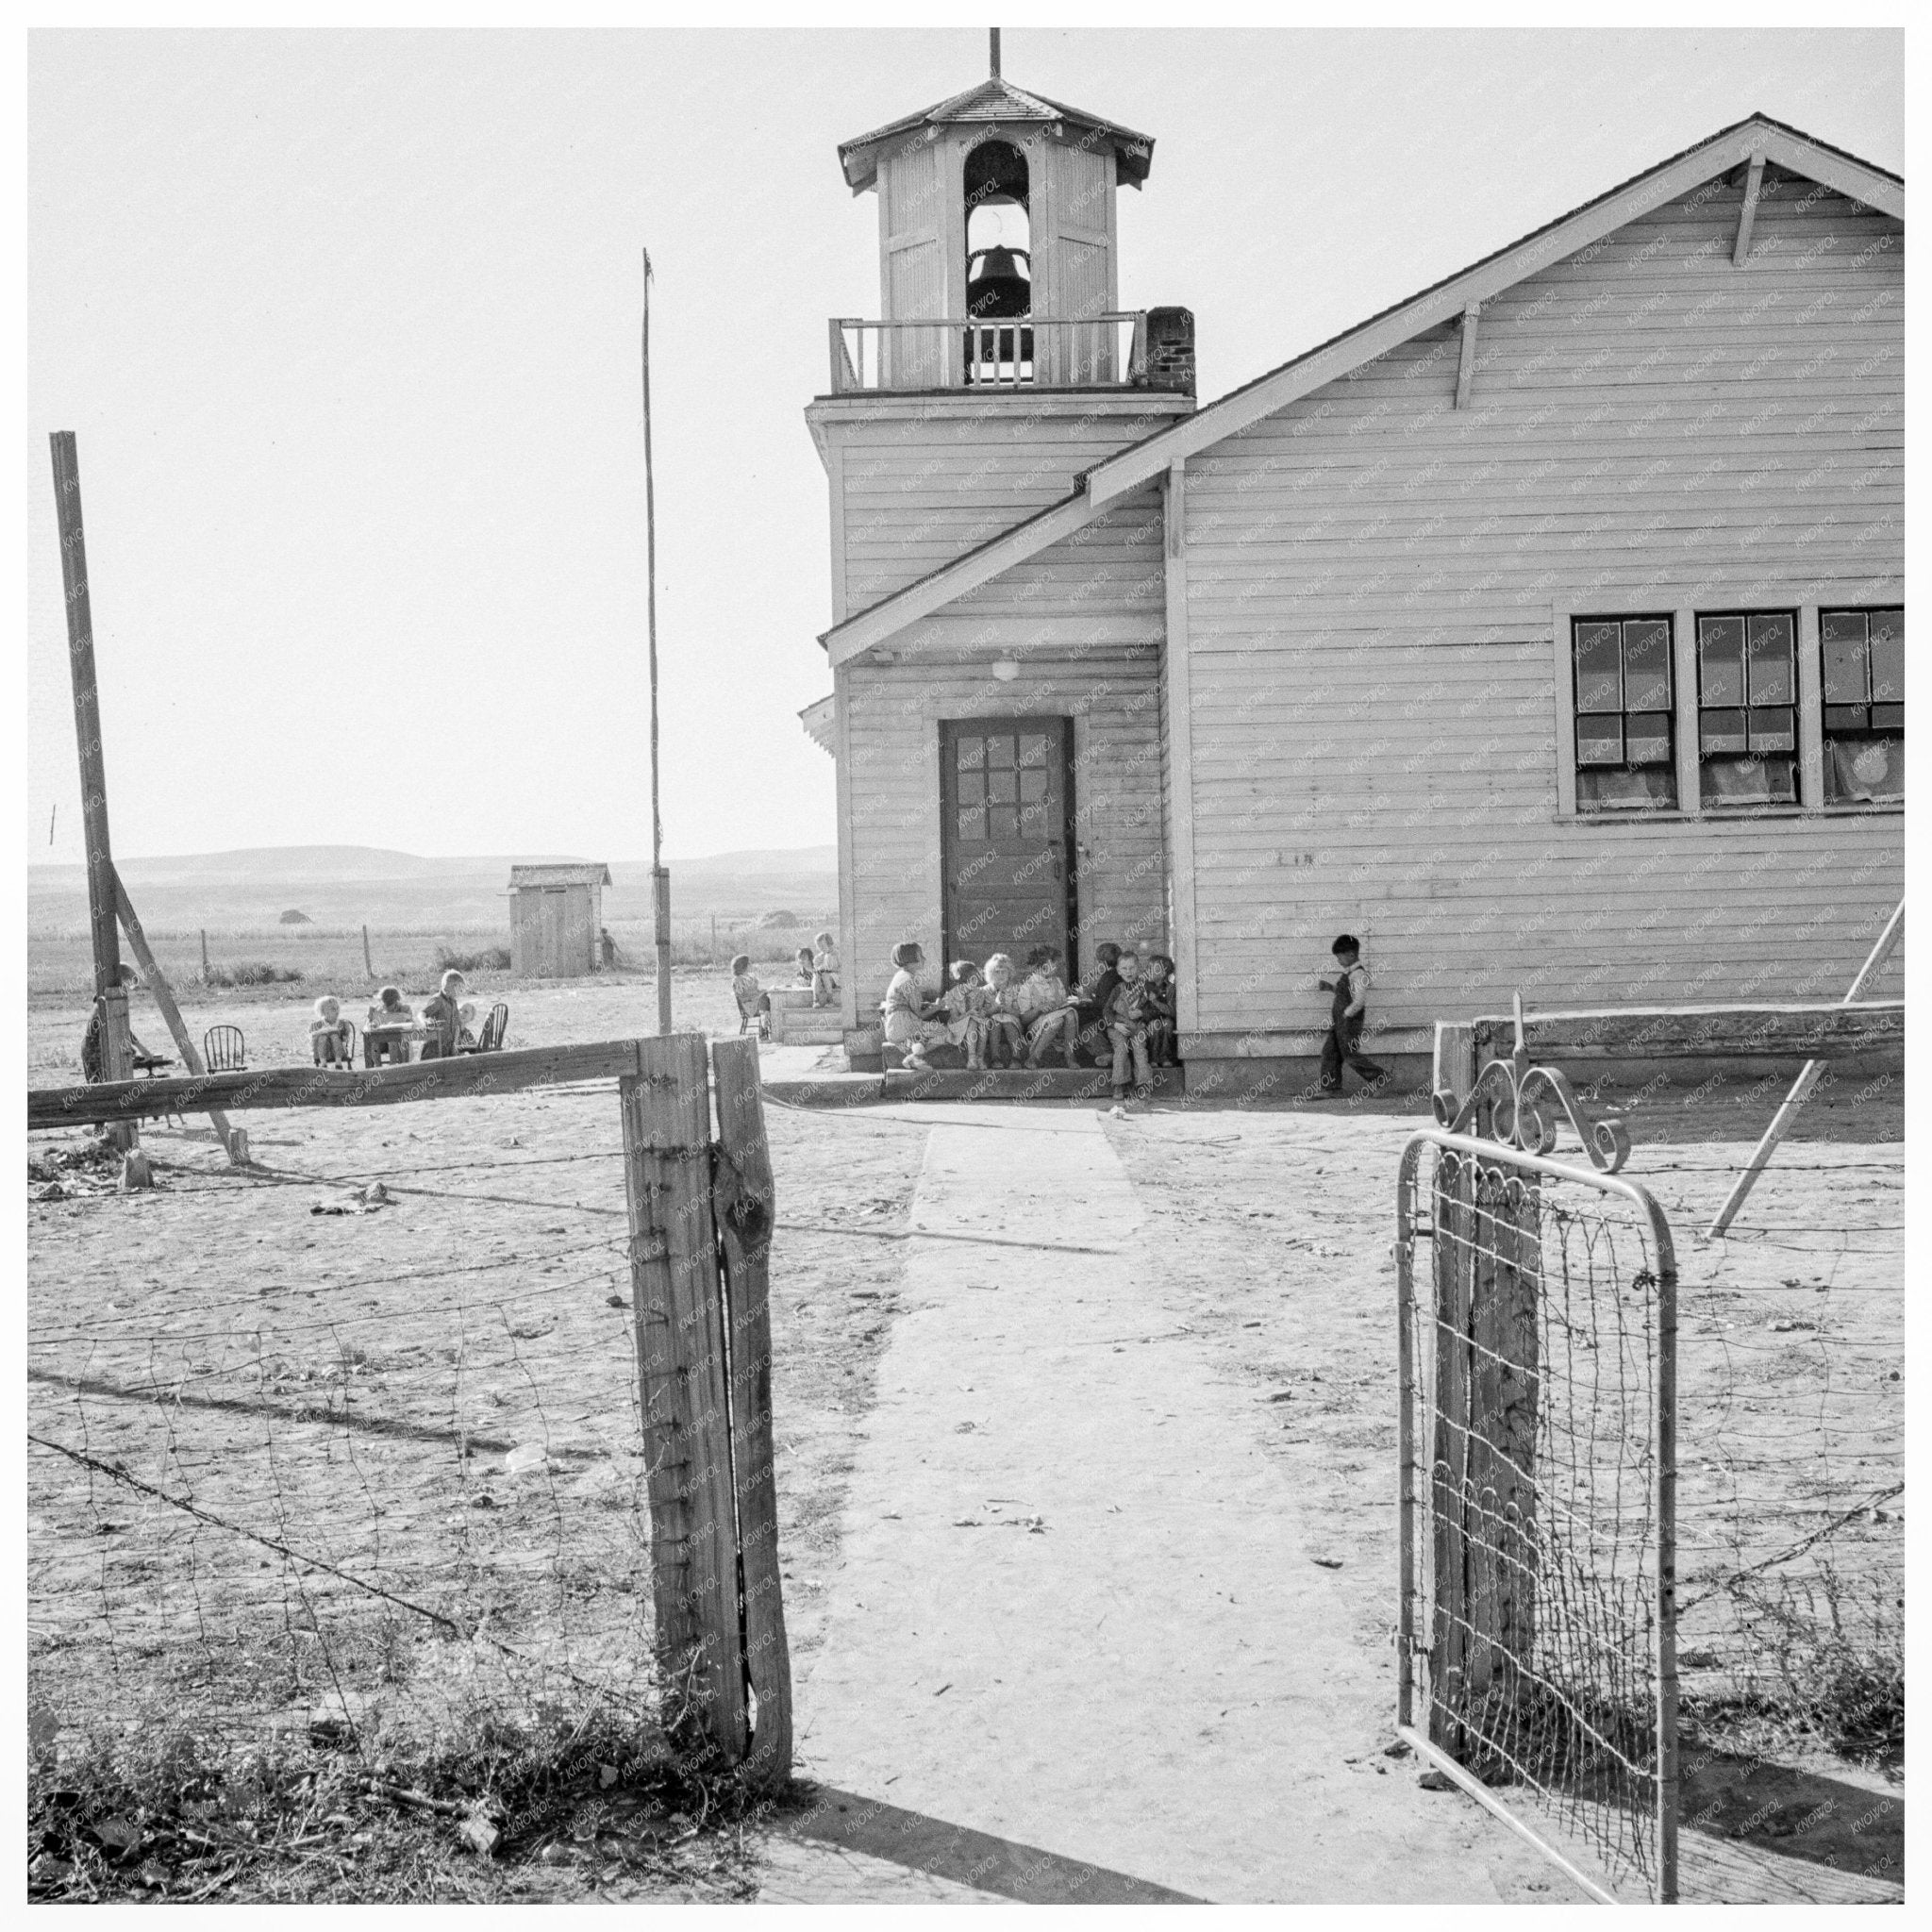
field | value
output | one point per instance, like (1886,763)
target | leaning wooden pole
(1807,1078)
(660,879)
(165,998)
(109,992)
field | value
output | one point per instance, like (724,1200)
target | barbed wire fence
(1791,1479)
(387,1510)
(492,1488)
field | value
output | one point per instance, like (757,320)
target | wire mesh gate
(1538,1332)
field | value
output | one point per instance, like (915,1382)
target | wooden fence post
(368,963)
(682,1394)
(204,956)
(1499,1524)
(746,1205)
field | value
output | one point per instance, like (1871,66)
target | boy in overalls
(1350,1008)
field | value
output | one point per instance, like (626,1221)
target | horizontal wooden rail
(1814,1029)
(462,1076)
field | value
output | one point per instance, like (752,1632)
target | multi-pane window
(1865,666)
(1747,709)
(1001,785)
(1625,740)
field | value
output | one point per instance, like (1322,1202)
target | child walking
(1349,1009)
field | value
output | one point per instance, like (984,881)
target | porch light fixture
(1006,670)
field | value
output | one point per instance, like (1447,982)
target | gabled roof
(1140,463)
(997,101)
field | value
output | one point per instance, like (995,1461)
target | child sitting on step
(968,1007)
(824,972)
(1158,998)
(1006,1033)
(1045,1009)
(910,1021)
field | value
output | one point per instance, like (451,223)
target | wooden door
(1007,810)
(551,944)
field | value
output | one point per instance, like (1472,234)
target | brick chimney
(1171,350)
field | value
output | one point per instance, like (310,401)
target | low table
(394,1039)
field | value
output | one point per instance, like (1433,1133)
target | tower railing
(1028,351)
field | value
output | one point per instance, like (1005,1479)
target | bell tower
(997,210)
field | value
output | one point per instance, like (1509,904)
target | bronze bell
(999,283)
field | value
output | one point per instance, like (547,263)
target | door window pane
(1002,821)
(1032,784)
(972,787)
(971,753)
(1033,748)
(1001,787)
(973,823)
(999,751)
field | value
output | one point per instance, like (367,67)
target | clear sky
(347,326)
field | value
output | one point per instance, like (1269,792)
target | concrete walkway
(1078,1605)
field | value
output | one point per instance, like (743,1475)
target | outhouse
(555,915)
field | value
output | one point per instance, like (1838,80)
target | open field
(320,1376)
(434,1396)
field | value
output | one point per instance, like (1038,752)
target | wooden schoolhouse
(1546,630)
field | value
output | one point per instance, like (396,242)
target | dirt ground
(437,1394)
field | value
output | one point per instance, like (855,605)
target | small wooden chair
(491,1038)
(225,1051)
(335,1049)
(757,1009)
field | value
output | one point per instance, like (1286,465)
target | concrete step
(1016,1082)
(795,1028)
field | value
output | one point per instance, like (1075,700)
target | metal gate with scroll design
(1538,1318)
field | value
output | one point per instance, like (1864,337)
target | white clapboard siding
(1373,581)
(919,481)
(893,712)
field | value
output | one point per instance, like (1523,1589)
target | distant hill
(352,885)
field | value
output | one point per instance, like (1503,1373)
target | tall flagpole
(660,879)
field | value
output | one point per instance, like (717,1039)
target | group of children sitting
(448,1020)
(1125,1007)
(818,968)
